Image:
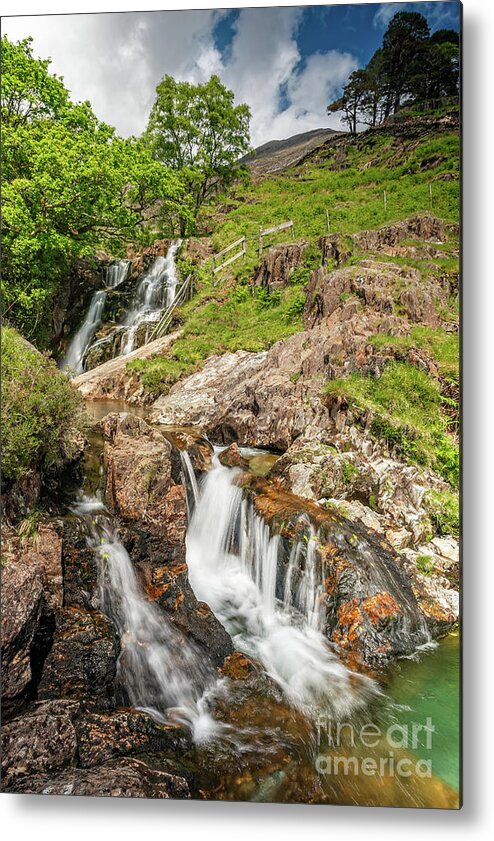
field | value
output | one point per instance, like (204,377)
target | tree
(351,101)
(411,67)
(70,186)
(198,132)
(402,52)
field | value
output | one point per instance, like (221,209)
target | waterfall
(163,673)
(74,358)
(156,289)
(116,273)
(233,564)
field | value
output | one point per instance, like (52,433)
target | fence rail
(264,232)
(166,319)
(241,253)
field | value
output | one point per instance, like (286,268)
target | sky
(286,63)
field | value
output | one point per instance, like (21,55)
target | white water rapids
(233,565)
(163,673)
(74,358)
(156,290)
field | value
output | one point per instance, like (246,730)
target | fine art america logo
(371,750)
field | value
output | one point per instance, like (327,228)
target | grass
(247,319)
(353,195)
(443,508)
(40,410)
(442,346)
(405,406)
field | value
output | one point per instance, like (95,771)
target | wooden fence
(242,252)
(264,232)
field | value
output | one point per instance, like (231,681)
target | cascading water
(116,273)
(74,358)
(233,566)
(155,290)
(163,673)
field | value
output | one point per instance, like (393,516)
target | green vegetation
(248,319)
(349,181)
(444,512)
(198,132)
(405,406)
(69,186)
(40,410)
(442,346)
(425,564)
(412,69)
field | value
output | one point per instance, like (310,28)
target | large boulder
(82,662)
(41,741)
(22,605)
(119,778)
(278,263)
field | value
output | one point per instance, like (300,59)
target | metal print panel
(230,361)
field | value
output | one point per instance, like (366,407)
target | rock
(45,552)
(22,604)
(41,741)
(83,660)
(370,609)
(424,226)
(278,264)
(102,737)
(120,778)
(231,457)
(80,574)
(334,249)
(138,465)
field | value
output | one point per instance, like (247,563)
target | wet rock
(43,740)
(83,659)
(120,778)
(80,574)
(22,605)
(102,737)
(45,553)
(138,464)
(278,264)
(231,457)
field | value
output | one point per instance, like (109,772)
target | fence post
(327,219)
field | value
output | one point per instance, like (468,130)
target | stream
(326,734)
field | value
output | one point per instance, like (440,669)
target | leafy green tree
(350,103)
(402,51)
(198,132)
(70,186)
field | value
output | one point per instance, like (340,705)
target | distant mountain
(277,155)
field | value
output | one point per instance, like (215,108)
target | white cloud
(116,60)
(439,15)
(386,12)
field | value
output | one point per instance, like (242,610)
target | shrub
(40,410)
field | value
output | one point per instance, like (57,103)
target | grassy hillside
(347,176)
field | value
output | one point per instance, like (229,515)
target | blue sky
(287,63)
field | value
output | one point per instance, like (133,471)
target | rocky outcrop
(278,264)
(425,227)
(22,605)
(82,662)
(113,381)
(144,487)
(39,742)
(120,778)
